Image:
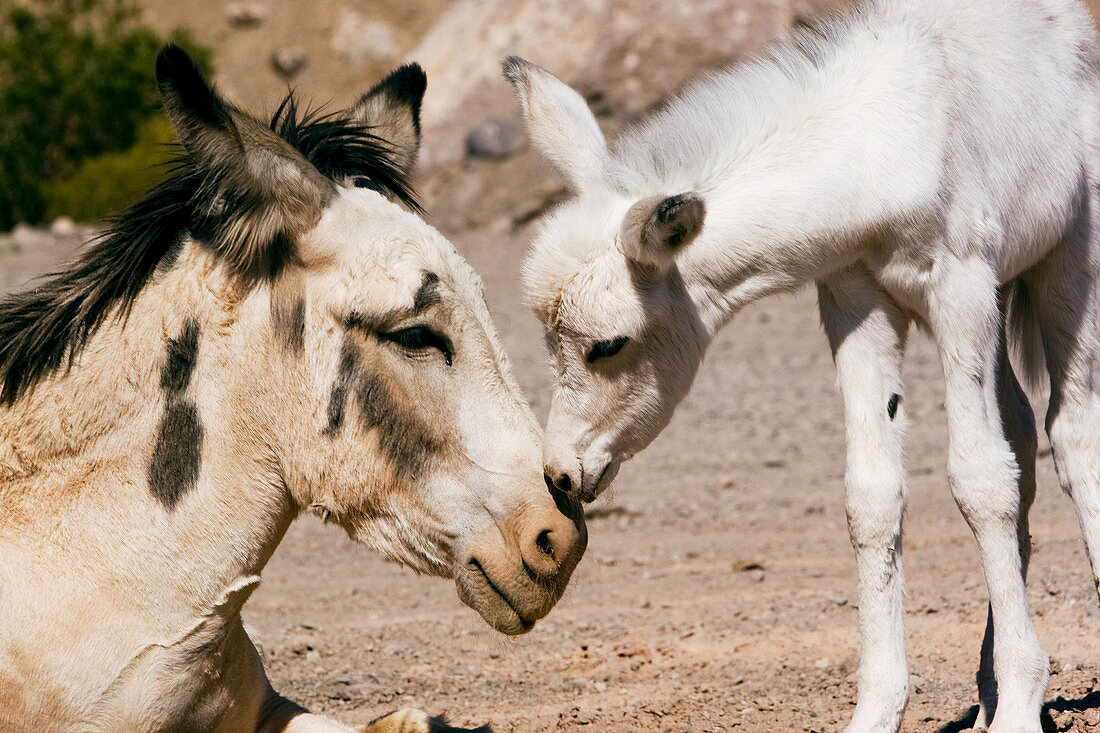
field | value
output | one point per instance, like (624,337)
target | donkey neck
(806,159)
(134,445)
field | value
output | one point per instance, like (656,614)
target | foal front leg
(867,334)
(965,319)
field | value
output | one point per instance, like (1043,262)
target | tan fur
(120,607)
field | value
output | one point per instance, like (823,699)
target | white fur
(920,159)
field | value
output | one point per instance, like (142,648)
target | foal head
(623,334)
(323,340)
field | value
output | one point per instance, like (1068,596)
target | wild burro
(925,161)
(267,332)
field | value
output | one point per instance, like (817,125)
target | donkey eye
(365,182)
(606,349)
(421,338)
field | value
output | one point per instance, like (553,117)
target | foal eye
(421,338)
(606,349)
(365,182)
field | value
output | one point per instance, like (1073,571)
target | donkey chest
(61,669)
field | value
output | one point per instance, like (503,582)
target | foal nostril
(561,482)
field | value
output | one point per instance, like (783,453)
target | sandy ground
(718,592)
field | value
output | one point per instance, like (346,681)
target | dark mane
(44,328)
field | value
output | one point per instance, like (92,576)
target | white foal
(927,161)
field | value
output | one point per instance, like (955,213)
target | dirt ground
(718,591)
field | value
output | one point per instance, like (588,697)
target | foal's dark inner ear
(392,110)
(655,229)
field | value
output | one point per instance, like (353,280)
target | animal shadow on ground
(1091,701)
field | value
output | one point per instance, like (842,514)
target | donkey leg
(289,717)
(285,716)
(414,721)
(1018,421)
(965,319)
(1063,289)
(277,714)
(867,334)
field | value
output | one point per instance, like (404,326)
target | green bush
(76,81)
(112,181)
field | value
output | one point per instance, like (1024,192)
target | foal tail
(1022,331)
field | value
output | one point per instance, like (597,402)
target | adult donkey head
(311,338)
(624,335)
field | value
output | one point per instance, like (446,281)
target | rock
(245,14)
(493,139)
(359,39)
(62,226)
(287,61)
(25,237)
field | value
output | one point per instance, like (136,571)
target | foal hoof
(408,720)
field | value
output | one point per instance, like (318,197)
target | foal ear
(392,110)
(559,122)
(258,192)
(657,228)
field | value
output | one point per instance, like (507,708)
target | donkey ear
(392,110)
(657,228)
(258,192)
(559,122)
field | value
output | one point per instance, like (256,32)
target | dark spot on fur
(180,364)
(338,397)
(428,293)
(892,405)
(407,442)
(403,435)
(290,324)
(178,454)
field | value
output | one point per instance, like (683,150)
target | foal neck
(805,158)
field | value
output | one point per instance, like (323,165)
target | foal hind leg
(1018,421)
(1063,288)
(964,315)
(867,333)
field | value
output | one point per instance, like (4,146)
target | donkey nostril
(544,544)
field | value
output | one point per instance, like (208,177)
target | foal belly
(908,271)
